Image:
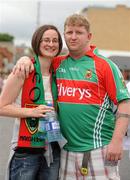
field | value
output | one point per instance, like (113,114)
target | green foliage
(6,37)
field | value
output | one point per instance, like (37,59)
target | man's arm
(24,66)
(115,148)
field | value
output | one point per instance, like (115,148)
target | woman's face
(49,45)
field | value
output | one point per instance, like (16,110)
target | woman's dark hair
(37,36)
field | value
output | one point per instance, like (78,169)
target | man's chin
(73,49)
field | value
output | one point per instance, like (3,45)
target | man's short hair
(77,20)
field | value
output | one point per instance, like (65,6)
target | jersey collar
(90,53)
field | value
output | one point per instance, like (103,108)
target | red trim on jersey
(104,78)
(91,51)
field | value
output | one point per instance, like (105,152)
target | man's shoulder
(104,62)
(58,60)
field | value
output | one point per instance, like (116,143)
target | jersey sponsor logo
(72,91)
(77,91)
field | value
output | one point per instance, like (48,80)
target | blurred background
(110,26)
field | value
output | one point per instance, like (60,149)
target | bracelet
(118,115)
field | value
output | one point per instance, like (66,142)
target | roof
(121,58)
(123,62)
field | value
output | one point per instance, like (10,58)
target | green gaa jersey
(87,89)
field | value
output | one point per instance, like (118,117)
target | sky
(20,18)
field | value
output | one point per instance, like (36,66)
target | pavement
(6,127)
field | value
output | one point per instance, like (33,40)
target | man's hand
(114,151)
(23,67)
(115,148)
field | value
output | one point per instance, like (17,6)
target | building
(6,55)
(9,54)
(121,58)
(110,27)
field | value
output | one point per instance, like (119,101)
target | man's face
(76,37)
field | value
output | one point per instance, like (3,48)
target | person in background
(31,157)
(88,85)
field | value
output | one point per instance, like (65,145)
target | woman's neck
(45,65)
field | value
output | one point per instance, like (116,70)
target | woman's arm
(10,92)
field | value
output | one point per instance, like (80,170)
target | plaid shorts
(98,169)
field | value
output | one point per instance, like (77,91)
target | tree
(6,37)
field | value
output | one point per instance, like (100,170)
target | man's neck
(78,54)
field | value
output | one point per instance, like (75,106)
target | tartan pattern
(71,163)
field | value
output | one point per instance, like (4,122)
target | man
(88,85)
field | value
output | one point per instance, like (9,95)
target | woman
(30,152)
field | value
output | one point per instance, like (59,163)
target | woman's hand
(39,111)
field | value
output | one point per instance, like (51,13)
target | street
(6,126)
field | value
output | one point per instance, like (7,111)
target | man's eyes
(70,32)
(77,32)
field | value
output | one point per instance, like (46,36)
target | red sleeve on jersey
(106,79)
(110,83)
